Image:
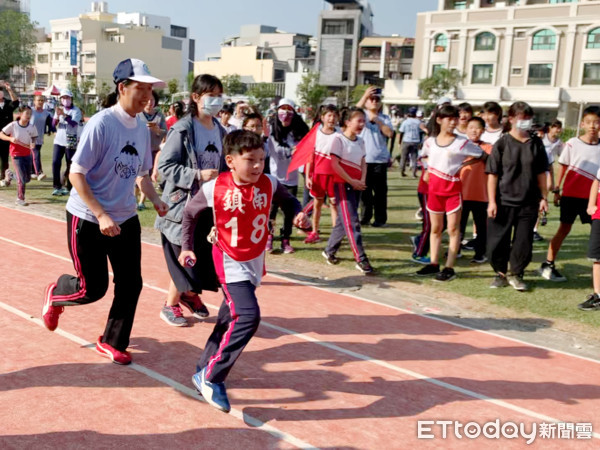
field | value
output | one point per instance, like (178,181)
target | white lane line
(362,357)
(426,316)
(249,420)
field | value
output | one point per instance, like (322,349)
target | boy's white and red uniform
(241,213)
(582,161)
(444,164)
(490,136)
(322,173)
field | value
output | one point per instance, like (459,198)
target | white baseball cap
(135,70)
(66,93)
(286,101)
(443,100)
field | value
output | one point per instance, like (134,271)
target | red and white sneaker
(116,356)
(50,314)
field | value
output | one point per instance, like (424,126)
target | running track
(325,370)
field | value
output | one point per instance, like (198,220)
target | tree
(103,91)
(232,85)
(442,82)
(261,95)
(173,86)
(17,41)
(358,92)
(311,93)
(190,81)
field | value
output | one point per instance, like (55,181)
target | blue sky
(209,26)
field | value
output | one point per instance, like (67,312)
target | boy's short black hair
(479,120)
(239,141)
(494,108)
(555,124)
(25,108)
(252,116)
(591,111)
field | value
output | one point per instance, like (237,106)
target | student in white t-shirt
(579,163)
(446,154)
(492,114)
(21,134)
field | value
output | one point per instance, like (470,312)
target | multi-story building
(341,28)
(385,57)
(91,45)
(544,52)
(15,5)
(259,54)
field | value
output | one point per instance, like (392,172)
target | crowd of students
(225,171)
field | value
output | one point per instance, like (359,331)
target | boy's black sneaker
(592,303)
(429,269)
(447,274)
(365,267)
(549,272)
(332,260)
(537,237)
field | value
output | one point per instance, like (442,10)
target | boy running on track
(592,302)
(241,200)
(113,154)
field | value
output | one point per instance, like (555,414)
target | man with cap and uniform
(67,117)
(113,155)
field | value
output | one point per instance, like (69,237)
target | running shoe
(537,237)
(365,267)
(194,305)
(312,238)
(50,313)
(286,246)
(479,259)
(429,269)
(116,356)
(447,274)
(516,281)
(2,183)
(20,202)
(499,281)
(468,244)
(141,207)
(64,191)
(173,316)
(332,260)
(41,176)
(592,303)
(549,272)
(56,192)
(421,259)
(215,394)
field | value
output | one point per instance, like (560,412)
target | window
(516,71)
(540,74)
(331,26)
(436,68)
(42,59)
(591,73)
(544,40)
(460,4)
(278,75)
(593,39)
(408,52)
(90,57)
(485,41)
(555,2)
(482,74)
(440,43)
(370,53)
(347,59)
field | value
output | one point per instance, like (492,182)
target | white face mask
(524,125)
(212,105)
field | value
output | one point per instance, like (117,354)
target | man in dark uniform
(7,109)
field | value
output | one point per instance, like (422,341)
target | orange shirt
(474,178)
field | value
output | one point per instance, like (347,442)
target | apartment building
(544,52)
(91,45)
(259,54)
(385,57)
(341,28)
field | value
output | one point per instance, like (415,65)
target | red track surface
(324,370)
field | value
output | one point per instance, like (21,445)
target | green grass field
(389,250)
